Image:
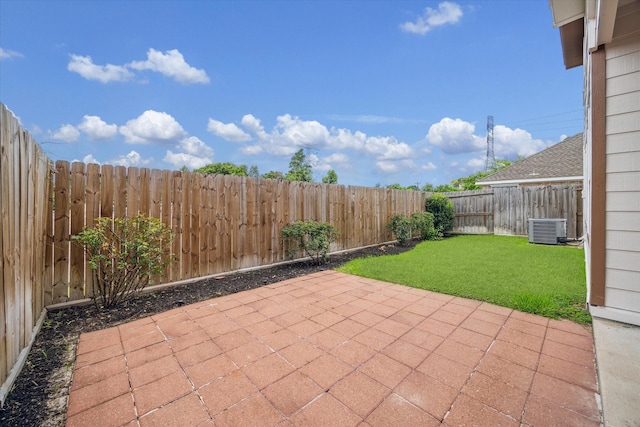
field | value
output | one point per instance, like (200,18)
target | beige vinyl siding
(623,170)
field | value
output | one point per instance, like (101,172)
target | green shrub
(423,226)
(123,254)
(420,225)
(443,212)
(402,228)
(311,237)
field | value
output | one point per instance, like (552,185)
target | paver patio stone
(115,412)
(95,394)
(445,370)
(584,376)
(256,411)
(292,392)
(385,370)
(427,394)
(325,411)
(398,412)
(333,349)
(160,392)
(541,412)
(186,411)
(359,393)
(226,391)
(501,396)
(468,411)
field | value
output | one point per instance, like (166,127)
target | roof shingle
(561,160)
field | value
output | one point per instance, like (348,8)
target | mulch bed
(39,395)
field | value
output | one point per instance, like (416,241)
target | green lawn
(507,271)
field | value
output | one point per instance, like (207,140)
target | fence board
(61,234)
(196,184)
(76,261)
(106,191)
(133,191)
(120,193)
(176,225)
(92,200)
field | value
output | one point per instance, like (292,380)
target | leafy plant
(420,225)
(123,254)
(311,237)
(423,226)
(401,226)
(443,212)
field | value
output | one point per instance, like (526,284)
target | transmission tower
(491,157)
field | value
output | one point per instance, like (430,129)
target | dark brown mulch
(39,395)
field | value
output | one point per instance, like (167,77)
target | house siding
(622,265)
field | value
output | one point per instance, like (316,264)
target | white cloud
(447,13)
(132,159)
(251,150)
(510,143)
(301,133)
(66,133)
(429,166)
(84,66)
(254,125)
(227,131)
(152,126)
(171,64)
(455,136)
(97,129)
(338,158)
(89,159)
(9,54)
(193,153)
(392,166)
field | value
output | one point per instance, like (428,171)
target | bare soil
(39,395)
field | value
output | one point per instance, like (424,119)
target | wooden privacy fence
(25,186)
(506,210)
(220,223)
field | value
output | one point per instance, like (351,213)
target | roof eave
(568,15)
(531,181)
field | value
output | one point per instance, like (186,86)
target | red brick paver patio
(336,350)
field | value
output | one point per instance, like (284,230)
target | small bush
(402,228)
(311,237)
(423,225)
(443,212)
(123,254)
(420,225)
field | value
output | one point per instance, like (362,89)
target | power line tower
(491,157)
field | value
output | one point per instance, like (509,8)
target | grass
(507,271)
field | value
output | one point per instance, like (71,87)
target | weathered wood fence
(506,210)
(220,223)
(25,186)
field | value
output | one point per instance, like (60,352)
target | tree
(225,168)
(395,186)
(331,178)
(299,168)
(272,175)
(428,188)
(253,172)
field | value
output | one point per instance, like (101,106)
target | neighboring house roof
(560,162)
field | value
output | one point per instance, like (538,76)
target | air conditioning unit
(548,231)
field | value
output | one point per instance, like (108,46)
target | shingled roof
(560,162)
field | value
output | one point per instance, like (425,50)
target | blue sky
(380,91)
